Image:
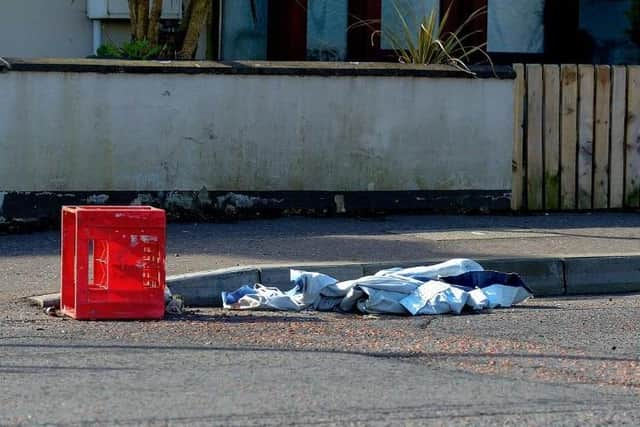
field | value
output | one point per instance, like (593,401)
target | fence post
(568,135)
(551,137)
(535,168)
(632,163)
(618,121)
(517,185)
(601,138)
(586,96)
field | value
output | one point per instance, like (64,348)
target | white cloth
(266,298)
(435,297)
(378,294)
(414,291)
(453,267)
(504,296)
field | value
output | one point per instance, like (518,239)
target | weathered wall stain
(206,146)
(97,199)
(29,209)
(116,132)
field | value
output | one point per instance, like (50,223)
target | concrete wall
(251,130)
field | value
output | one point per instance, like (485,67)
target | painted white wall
(44,28)
(57,29)
(101,132)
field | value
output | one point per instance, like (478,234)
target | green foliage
(109,50)
(137,49)
(141,49)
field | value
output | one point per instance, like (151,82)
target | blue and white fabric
(449,287)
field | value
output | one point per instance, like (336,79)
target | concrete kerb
(202,289)
(545,276)
(602,275)
(45,301)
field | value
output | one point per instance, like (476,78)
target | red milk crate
(113,262)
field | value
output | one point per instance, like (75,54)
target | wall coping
(307,68)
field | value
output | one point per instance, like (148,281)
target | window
(604,31)
(287,35)
(327,30)
(515,26)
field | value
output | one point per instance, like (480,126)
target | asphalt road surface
(547,362)
(569,361)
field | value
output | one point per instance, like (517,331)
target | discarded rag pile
(449,287)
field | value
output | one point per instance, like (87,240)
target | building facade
(586,31)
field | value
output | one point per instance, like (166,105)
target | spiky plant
(429,42)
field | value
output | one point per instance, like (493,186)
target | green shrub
(109,50)
(138,49)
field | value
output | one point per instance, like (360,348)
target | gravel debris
(548,340)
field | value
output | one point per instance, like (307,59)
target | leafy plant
(137,49)
(429,42)
(140,49)
(109,50)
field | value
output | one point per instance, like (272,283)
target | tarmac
(557,360)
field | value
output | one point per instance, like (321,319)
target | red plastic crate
(113,262)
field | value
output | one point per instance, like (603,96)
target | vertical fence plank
(551,137)
(517,186)
(632,169)
(585,136)
(618,116)
(601,138)
(568,136)
(534,137)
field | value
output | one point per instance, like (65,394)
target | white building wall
(44,28)
(57,29)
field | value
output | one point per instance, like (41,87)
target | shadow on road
(207,318)
(269,238)
(382,354)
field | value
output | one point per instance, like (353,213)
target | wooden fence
(577,137)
